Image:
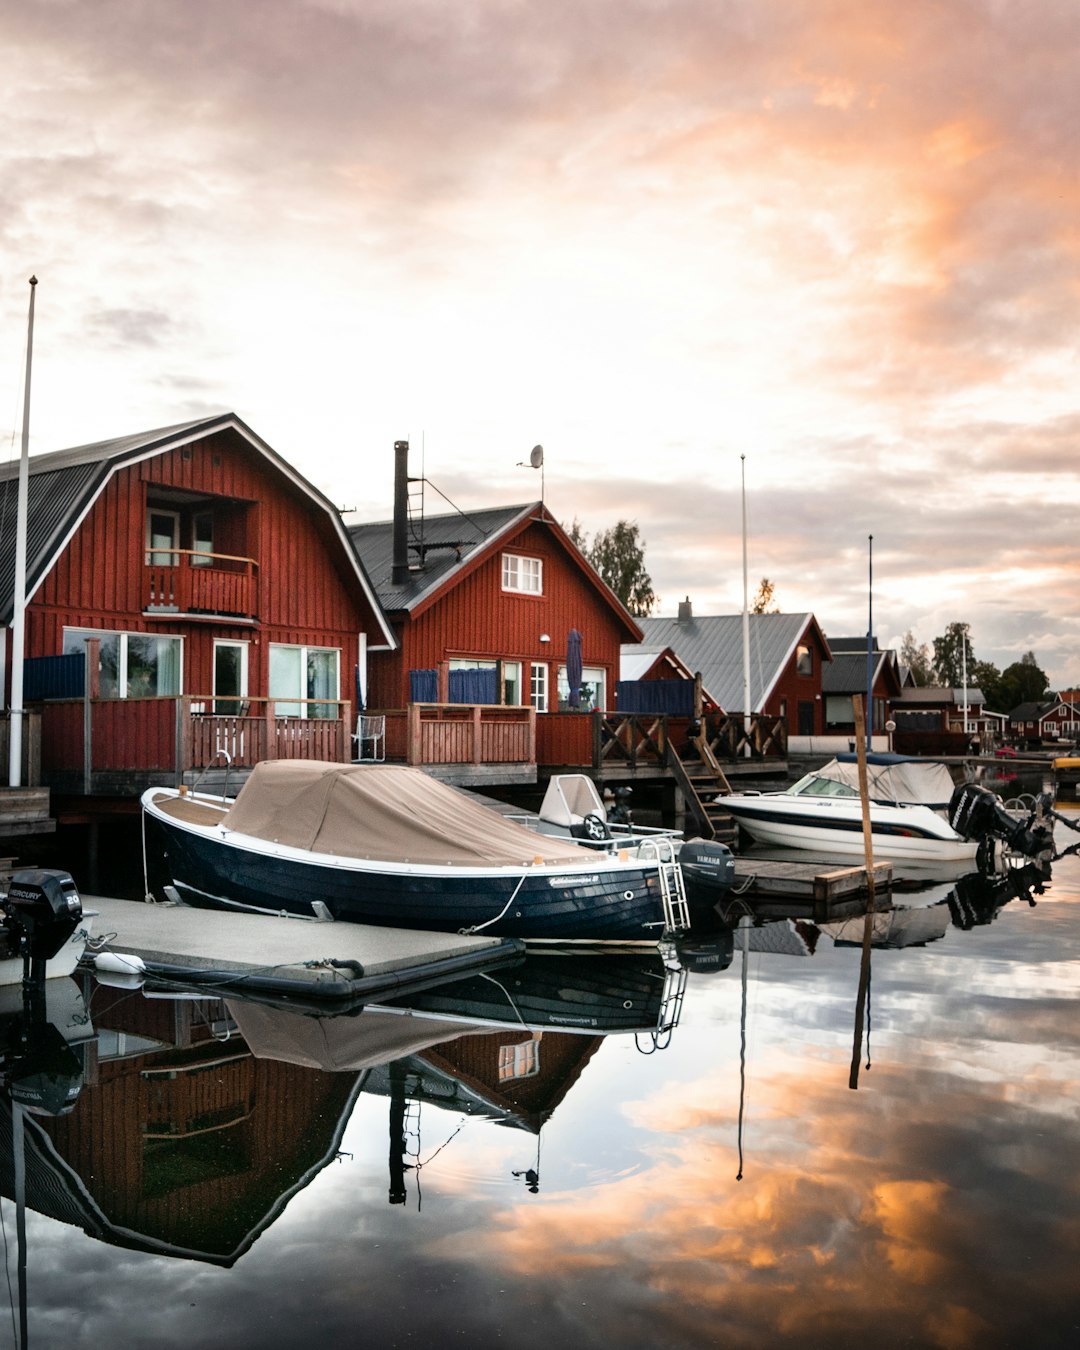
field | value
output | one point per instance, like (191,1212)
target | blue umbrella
(573,667)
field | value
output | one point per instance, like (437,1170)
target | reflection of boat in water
(386,844)
(915,813)
(895,927)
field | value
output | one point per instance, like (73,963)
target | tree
(951,651)
(765,600)
(618,554)
(985,676)
(916,657)
(1023,682)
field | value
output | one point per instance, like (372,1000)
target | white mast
(745,621)
(18,612)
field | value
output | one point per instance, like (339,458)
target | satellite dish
(536,457)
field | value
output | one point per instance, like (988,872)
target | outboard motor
(41,911)
(708,863)
(975,813)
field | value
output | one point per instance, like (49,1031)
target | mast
(18,612)
(745,621)
(870,652)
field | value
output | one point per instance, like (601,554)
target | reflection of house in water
(184,1144)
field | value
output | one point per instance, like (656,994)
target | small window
(540,686)
(519,1061)
(522,574)
(162,538)
(804,661)
(202,542)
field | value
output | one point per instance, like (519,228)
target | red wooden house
(483,606)
(207,601)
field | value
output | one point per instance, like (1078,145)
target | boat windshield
(813,785)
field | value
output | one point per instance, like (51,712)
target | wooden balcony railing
(194,582)
(462,733)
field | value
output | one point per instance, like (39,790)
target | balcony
(191,582)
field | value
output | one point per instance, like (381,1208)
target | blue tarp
(54,677)
(675,697)
(466,686)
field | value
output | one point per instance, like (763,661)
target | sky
(828,248)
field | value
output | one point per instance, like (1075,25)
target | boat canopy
(895,778)
(386,813)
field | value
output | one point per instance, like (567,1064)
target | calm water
(444,1186)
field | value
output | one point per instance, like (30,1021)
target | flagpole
(18,612)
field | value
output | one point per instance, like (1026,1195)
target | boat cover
(386,813)
(338,1044)
(911,782)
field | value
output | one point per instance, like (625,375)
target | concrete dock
(275,955)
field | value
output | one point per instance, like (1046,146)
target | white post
(745,622)
(18,612)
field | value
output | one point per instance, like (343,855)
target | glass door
(230,678)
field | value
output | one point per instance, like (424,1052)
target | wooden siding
(306,592)
(478,619)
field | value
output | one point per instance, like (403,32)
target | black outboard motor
(975,813)
(41,911)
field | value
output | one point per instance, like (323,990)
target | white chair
(370,737)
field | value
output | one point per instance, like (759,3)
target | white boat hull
(822,825)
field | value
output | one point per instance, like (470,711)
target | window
(804,660)
(230,677)
(132,665)
(162,537)
(519,1061)
(593,689)
(539,686)
(202,539)
(511,683)
(522,574)
(304,673)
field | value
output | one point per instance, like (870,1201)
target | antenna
(536,461)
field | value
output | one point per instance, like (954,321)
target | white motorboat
(913,807)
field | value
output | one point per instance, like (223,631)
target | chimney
(400,571)
(686,611)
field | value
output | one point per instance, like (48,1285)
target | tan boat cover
(388,813)
(909,782)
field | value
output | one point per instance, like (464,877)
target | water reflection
(201,1124)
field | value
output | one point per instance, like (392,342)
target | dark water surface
(449,1183)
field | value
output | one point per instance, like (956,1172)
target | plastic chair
(370,737)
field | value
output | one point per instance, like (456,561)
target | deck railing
(463,733)
(194,582)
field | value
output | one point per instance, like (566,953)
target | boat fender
(353,967)
(118,963)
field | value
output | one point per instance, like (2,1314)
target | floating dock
(814,890)
(285,957)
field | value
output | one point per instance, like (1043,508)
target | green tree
(1023,682)
(764,601)
(916,657)
(951,651)
(618,554)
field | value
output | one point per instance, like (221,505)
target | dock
(814,890)
(321,963)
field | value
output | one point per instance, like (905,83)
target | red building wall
(306,595)
(477,618)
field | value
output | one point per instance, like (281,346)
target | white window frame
(155,556)
(243,646)
(294,705)
(122,654)
(538,686)
(523,575)
(511,674)
(594,675)
(521,1060)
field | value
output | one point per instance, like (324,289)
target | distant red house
(207,599)
(1047,722)
(482,606)
(787,653)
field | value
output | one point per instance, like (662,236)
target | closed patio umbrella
(573,667)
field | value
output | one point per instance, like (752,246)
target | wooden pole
(868,924)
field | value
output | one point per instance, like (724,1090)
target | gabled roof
(846,672)
(64,485)
(443,549)
(1034,712)
(713,645)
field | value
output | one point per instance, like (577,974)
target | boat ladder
(672,887)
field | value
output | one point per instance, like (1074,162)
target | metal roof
(63,486)
(439,548)
(713,646)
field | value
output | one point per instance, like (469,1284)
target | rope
(476,927)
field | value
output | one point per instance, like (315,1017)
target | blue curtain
(675,697)
(474,686)
(54,677)
(424,686)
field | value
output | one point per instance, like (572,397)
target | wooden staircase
(702,780)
